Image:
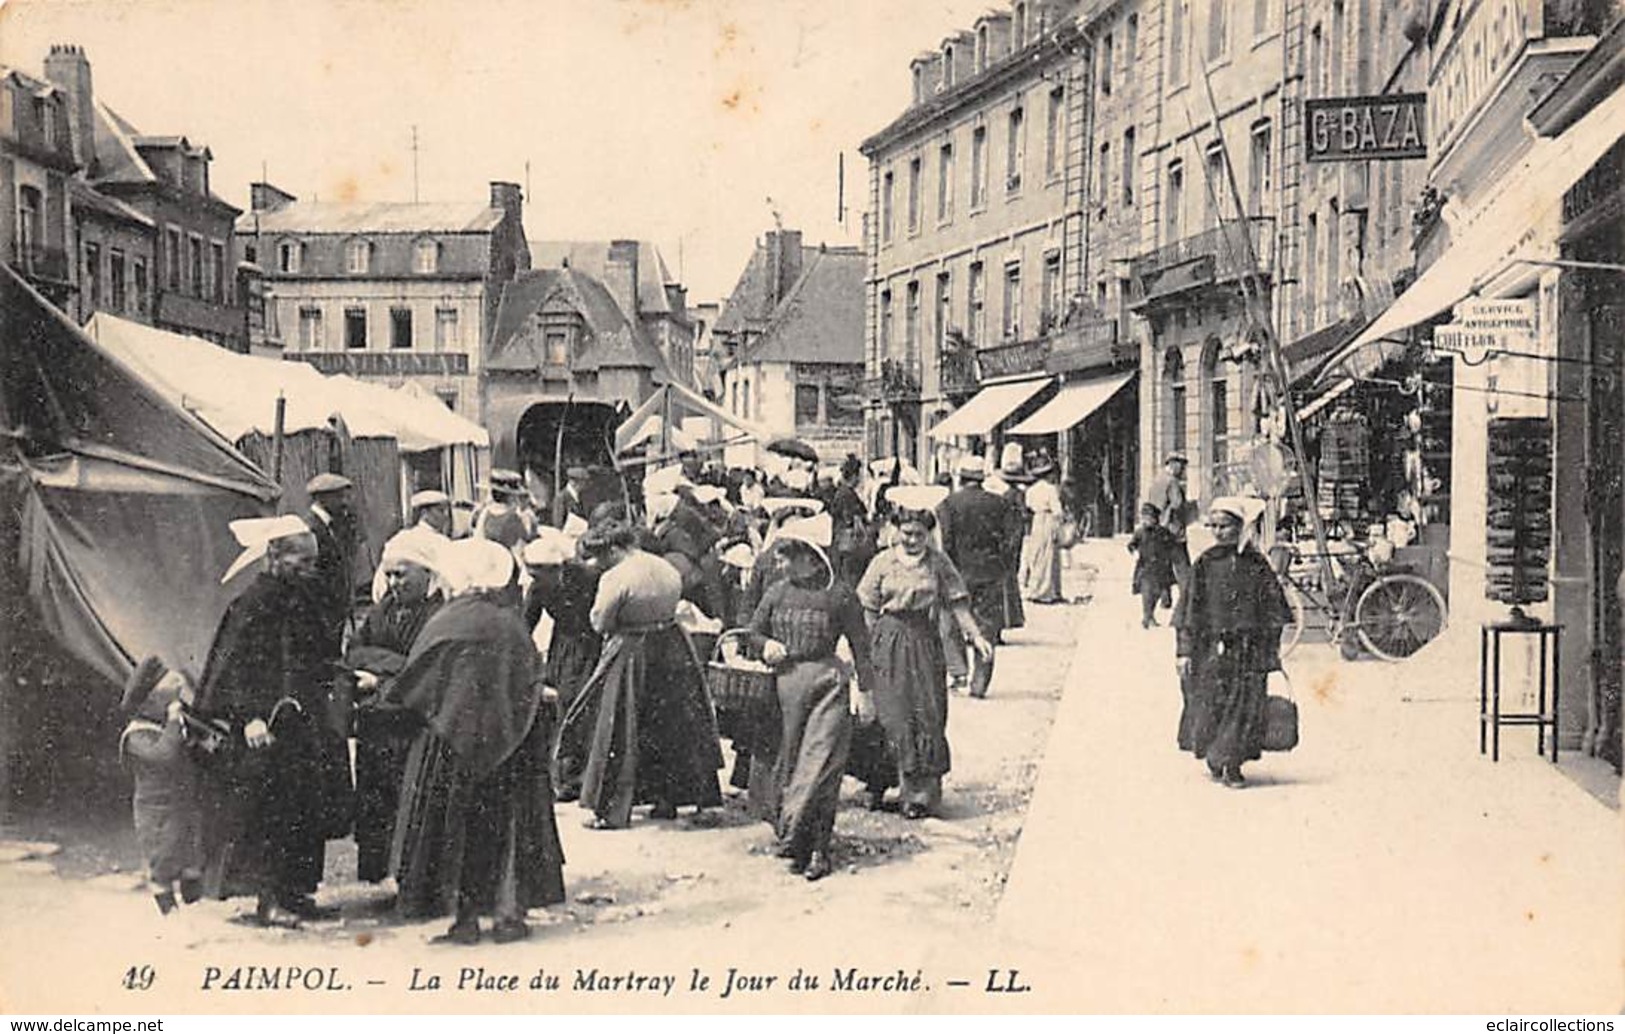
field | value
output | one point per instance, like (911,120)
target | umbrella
(794,448)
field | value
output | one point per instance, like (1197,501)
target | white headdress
(255,535)
(473,565)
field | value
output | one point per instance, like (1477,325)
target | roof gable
(592,258)
(820,319)
(610,339)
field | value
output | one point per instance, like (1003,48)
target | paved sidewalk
(1383,866)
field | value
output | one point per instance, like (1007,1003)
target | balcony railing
(41,263)
(899,381)
(1216,255)
(1090,344)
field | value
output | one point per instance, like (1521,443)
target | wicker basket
(738,689)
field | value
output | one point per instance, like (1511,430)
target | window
(93,274)
(115,280)
(1018,27)
(1217,185)
(1103,175)
(978,167)
(1260,179)
(1131,45)
(1178,16)
(948,66)
(1012,301)
(733,396)
(445,331)
(217,271)
(981,48)
(1174,202)
(976,305)
(1261,17)
(311,338)
(1053,309)
(1128,166)
(1334,66)
(1334,257)
(914,195)
(1173,376)
(888,199)
(139,269)
(447,397)
(1105,77)
(47,122)
(30,213)
(943,316)
(1218,29)
(919,84)
(400,327)
(426,257)
(1219,417)
(557,348)
(807,403)
(1311,267)
(746,398)
(1317,62)
(1017,153)
(251,253)
(885,323)
(287,257)
(355,328)
(1054,132)
(911,322)
(359,256)
(173,240)
(196,256)
(945,183)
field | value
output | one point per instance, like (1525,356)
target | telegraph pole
(414,164)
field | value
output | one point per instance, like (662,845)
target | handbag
(1068,536)
(1280,718)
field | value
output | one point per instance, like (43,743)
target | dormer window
(47,121)
(288,255)
(1018,28)
(919,84)
(981,48)
(948,67)
(358,256)
(426,256)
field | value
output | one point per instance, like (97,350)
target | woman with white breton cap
(376,654)
(641,731)
(797,625)
(1229,635)
(475,833)
(563,586)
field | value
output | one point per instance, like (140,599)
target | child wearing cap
(1153,546)
(168,821)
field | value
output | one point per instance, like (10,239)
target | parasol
(794,448)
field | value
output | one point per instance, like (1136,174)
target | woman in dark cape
(475,833)
(641,731)
(1229,627)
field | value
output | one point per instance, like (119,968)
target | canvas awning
(983,412)
(677,400)
(1528,199)
(1073,404)
(1325,398)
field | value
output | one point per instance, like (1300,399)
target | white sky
(670,120)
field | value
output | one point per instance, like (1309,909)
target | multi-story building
(156,245)
(975,235)
(799,371)
(644,289)
(36,167)
(397,292)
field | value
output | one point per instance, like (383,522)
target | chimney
(621,276)
(263,197)
(783,264)
(68,69)
(509,197)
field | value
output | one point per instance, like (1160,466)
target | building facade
(393,292)
(799,372)
(36,167)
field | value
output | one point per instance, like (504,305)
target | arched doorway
(553,436)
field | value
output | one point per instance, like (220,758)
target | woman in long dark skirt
(798,624)
(564,586)
(1229,627)
(904,590)
(641,731)
(475,833)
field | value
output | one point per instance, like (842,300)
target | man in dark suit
(981,533)
(572,500)
(334,522)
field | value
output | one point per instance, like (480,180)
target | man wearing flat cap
(981,534)
(431,508)
(1175,512)
(337,527)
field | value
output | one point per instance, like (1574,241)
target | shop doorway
(1606,518)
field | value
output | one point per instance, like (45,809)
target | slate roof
(84,195)
(748,306)
(119,162)
(377,217)
(592,258)
(612,339)
(820,319)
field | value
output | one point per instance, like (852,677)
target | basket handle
(732,633)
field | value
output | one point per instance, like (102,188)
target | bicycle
(1390,613)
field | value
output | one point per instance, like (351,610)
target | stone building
(37,164)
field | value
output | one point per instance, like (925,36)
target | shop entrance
(1606,514)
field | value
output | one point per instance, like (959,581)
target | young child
(1153,546)
(167,812)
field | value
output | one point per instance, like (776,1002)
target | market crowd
(599,651)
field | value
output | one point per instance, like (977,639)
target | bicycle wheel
(1293,632)
(1398,614)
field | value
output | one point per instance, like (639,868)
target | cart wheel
(1399,614)
(1294,631)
